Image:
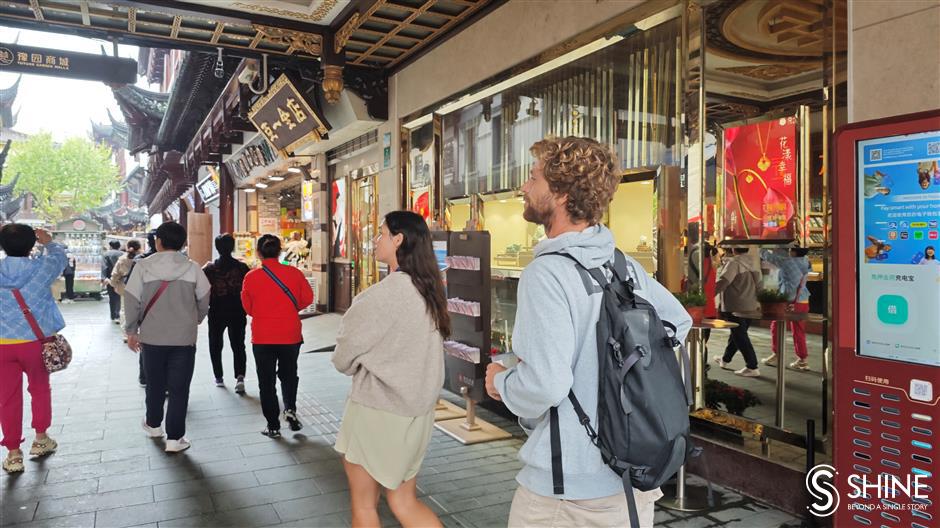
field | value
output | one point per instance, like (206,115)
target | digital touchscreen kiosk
(898,267)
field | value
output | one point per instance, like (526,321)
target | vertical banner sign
(898,183)
(760,181)
(15,58)
(307,192)
(339,218)
(286,119)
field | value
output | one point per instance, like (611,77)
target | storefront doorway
(365,227)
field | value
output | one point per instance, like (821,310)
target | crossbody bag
(56,350)
(282,286)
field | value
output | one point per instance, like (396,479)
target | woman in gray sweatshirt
(391,343)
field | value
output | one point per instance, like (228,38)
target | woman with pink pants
(20,349)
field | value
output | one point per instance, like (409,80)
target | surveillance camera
(249,73)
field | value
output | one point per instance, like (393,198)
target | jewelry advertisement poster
(760,175)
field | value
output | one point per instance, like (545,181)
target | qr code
(933,149)
(875,155)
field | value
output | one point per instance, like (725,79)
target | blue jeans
(168,368)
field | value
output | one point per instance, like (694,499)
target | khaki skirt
(390,447)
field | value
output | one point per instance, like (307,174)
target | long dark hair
(416,258)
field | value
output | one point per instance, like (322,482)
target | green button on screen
(892,309)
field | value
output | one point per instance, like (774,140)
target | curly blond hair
(582,169)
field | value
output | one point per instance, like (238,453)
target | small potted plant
(694,303)
(772,303)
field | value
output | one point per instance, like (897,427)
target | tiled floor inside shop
(107,473)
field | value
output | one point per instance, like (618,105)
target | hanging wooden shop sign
(286,119)
(60,63)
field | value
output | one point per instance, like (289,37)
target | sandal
(43,447)
(13,464)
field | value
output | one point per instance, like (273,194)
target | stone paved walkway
(108,474)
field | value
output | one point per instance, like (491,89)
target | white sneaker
(770,361)
(240,386)
(748,373)
(799,365)
(722,364)
(175,446)
(152,432)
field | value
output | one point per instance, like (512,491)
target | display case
(85,243)
(467,351)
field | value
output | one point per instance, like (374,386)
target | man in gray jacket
(738,283)
(165,299)
(570,186)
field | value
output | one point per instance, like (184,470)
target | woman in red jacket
(272,295)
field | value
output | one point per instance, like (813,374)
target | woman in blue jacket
(20,348)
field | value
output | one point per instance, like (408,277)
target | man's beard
(539,212)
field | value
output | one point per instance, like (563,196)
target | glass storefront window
(625,95)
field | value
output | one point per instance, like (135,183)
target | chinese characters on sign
(760,180)
(286,119)
(87,66)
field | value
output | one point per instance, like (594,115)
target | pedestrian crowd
(390,343)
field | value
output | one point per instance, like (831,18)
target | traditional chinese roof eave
(7,97)
(143,111)
(194,91)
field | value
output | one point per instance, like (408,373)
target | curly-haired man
(569,189)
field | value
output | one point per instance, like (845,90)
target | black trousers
(739,340)
(114,302)
(69,286)
(276,362)
(141,374)
(235,323)
(169,371)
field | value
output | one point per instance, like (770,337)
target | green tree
(73,176)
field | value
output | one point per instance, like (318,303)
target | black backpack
(643,401)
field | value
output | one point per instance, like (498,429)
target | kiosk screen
(898,266)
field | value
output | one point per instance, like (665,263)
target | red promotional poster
(760,181)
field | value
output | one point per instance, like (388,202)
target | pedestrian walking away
(166,298)
(226,276)
(69,275)
(794,269)
(273,295)
(568,191)
(122,268)
(108,261)
(738,283)
(390,342)
(30,279)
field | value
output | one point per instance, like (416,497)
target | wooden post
(226,201)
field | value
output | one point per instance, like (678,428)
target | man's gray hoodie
(175,316)
(555,337)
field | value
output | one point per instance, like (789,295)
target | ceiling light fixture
(261,185)
(294,169)
(276,178)
(249,190)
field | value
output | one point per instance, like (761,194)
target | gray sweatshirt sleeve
(668,307)
(203,289)
(368,320)
(132,305)
(544,339)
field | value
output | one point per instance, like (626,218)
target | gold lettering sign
(285,119)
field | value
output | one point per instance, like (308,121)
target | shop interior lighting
(294,169)
(248,190)
(276,178)
(261,185)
